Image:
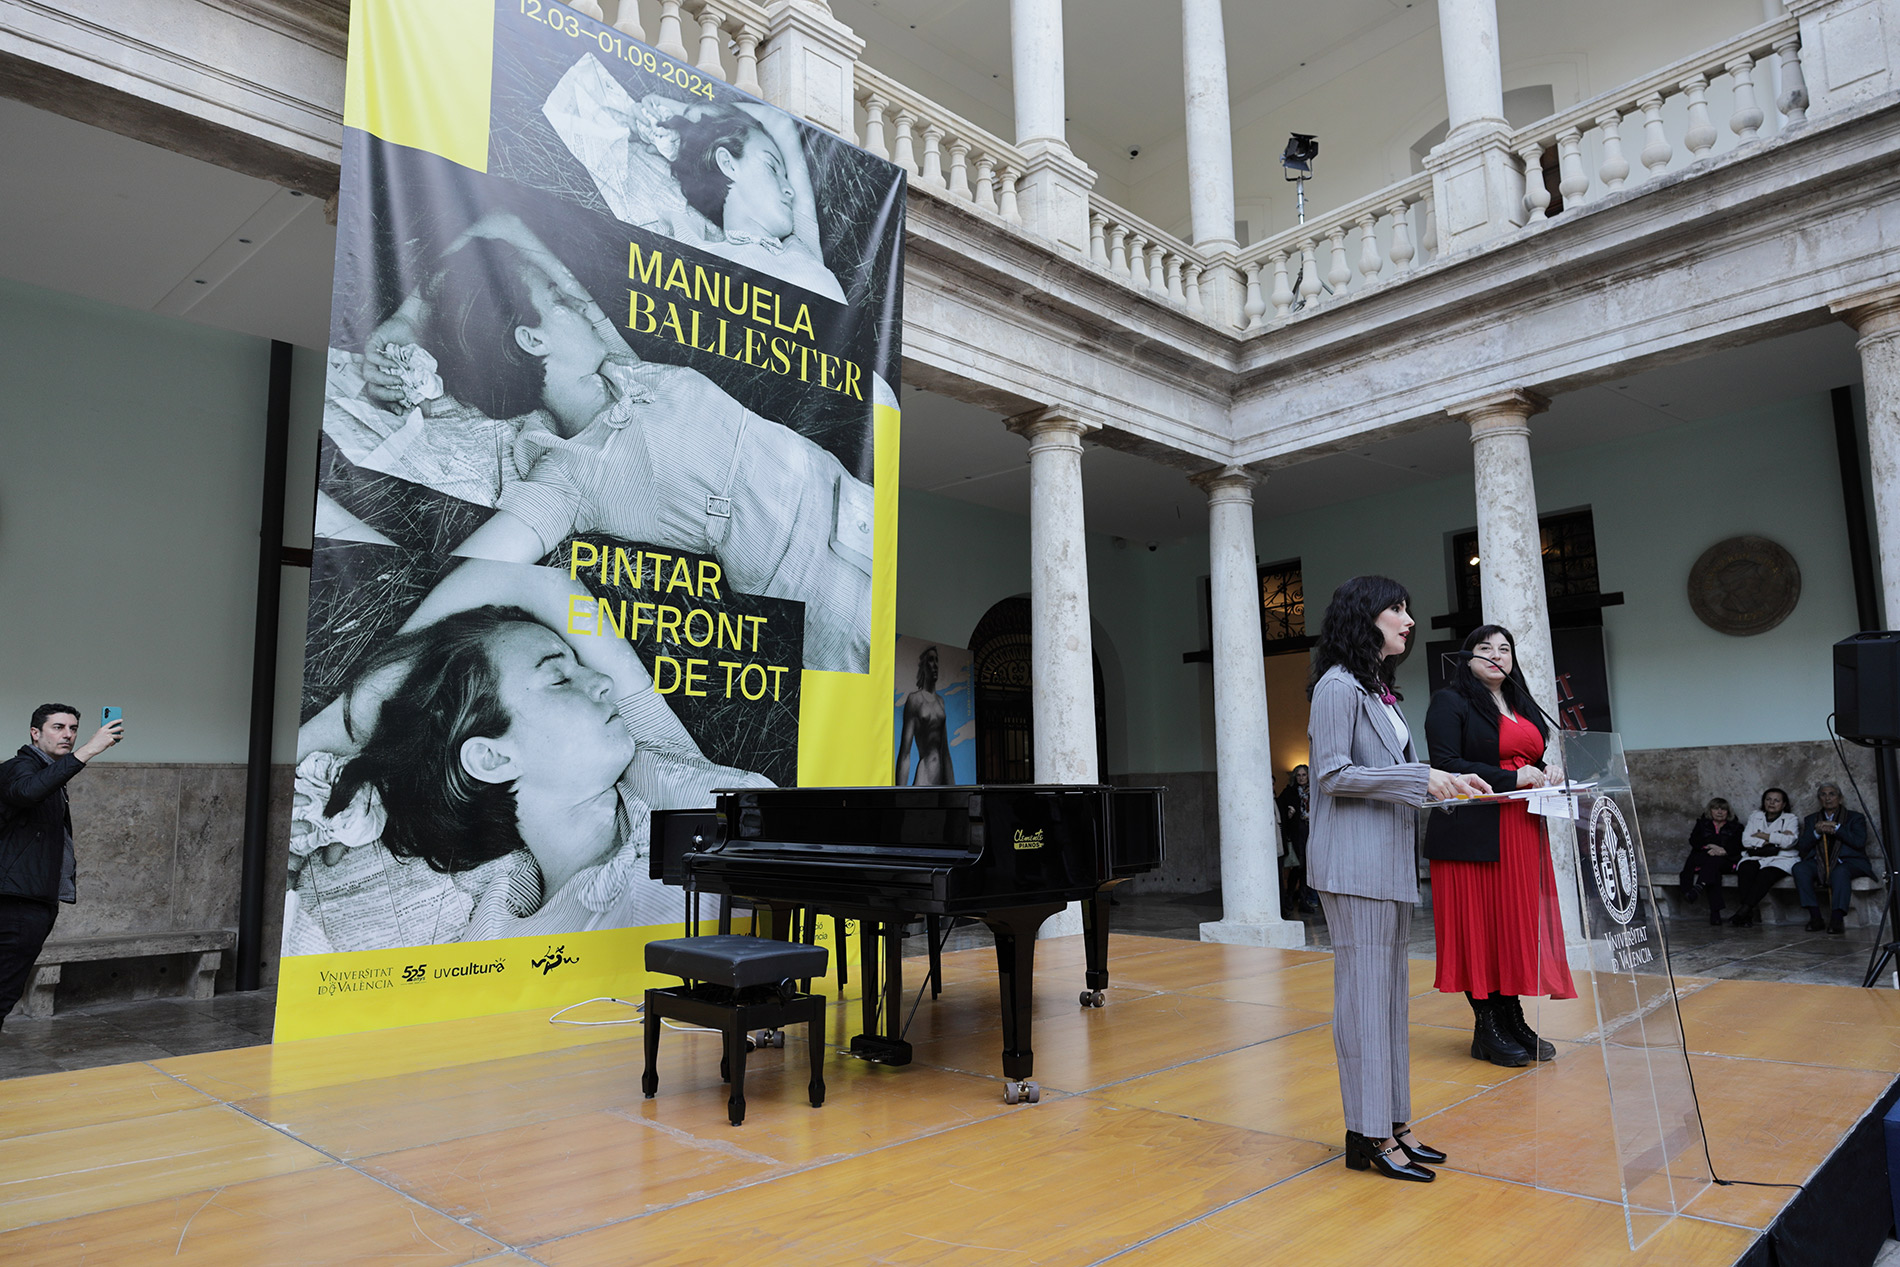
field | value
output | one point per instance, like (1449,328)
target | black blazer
(33,834)
(1465,741)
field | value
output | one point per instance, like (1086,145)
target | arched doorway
(1005,715)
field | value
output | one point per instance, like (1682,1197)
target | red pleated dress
(1497,923)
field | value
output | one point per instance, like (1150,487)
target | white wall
(131,454)
(1657,501)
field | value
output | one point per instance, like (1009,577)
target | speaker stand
(1887,783)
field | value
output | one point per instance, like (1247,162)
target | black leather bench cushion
(736,960)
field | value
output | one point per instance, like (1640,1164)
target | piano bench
(735,984)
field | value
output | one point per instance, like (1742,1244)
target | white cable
(632,1020)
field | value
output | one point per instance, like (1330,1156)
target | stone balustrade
(1374,241)
(1665,121)
(944,154)
(713,28)
(1147,258)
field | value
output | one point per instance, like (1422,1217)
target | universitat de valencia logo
(1613,860)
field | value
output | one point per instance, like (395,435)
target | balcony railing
(1574,158)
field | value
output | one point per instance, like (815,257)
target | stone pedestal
(1249,826)
(1053,195)
(807,65)
(1877,317)
(1477,188)
(1061,653)
(1850,51)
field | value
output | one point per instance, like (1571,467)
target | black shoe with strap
(1420,1154)
(1365,1153)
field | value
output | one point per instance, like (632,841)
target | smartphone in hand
(109,714)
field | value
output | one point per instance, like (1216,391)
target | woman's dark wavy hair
(475,304)
(436,810)
(1517,692)
(696,167)
(1349,634)
(1787,802)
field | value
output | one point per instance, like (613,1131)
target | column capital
(1226,484)
(1875,313)
(1500,413)
(1051,424)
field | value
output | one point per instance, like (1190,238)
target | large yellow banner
(607,511)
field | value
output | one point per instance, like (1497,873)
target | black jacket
(1705,832)
(1295,822)
(33,823)
(1464,740)
(1850,841)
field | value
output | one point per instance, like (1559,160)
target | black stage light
(1301,150)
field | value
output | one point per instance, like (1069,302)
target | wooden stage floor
(1195,1119)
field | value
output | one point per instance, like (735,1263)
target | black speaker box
(1867,687)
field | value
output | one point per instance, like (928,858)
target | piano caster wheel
(1021,1092)
(1092,998)
(767,1038)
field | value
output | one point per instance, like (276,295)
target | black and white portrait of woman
(729,178)
(487,775)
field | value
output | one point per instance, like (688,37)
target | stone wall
(160,849)
(1672,785)
(1191,832)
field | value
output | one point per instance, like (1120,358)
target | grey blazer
(1364,820)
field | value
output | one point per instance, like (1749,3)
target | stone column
(1061,655)
(1477,181)
(1511,573)
(1053,192)
(808,65)
(1249,824)
(1210,142)
(1510,545)
(1877,317)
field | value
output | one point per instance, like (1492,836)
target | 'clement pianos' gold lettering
(1028,839)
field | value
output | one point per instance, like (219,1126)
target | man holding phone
(36,836)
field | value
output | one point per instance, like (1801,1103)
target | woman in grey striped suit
(1360,858)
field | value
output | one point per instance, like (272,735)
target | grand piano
(1010,855)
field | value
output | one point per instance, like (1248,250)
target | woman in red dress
(1494,895)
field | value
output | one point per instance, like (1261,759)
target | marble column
(1477,179)
(1035,62)
(1474,83)
(1053,191)
(1876,316)
(1061,653)
(1210,142)
(1249,824)
(1511,574)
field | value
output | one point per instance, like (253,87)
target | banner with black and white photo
(606,507)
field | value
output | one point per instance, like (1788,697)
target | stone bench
(1779,907)
(206,946)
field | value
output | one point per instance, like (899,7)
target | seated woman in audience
(1715,846)
(1768,853)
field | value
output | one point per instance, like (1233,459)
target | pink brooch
(1387,697)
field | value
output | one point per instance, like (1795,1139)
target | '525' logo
(415,972)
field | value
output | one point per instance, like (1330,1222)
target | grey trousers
(1371,992)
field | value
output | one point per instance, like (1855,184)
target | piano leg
(1095,946)
(869,930)
(1015,931)
(934,936)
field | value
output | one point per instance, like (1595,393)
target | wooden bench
(206,945)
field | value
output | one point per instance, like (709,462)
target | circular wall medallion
(1743,586)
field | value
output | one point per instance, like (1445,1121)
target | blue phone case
(109,715)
